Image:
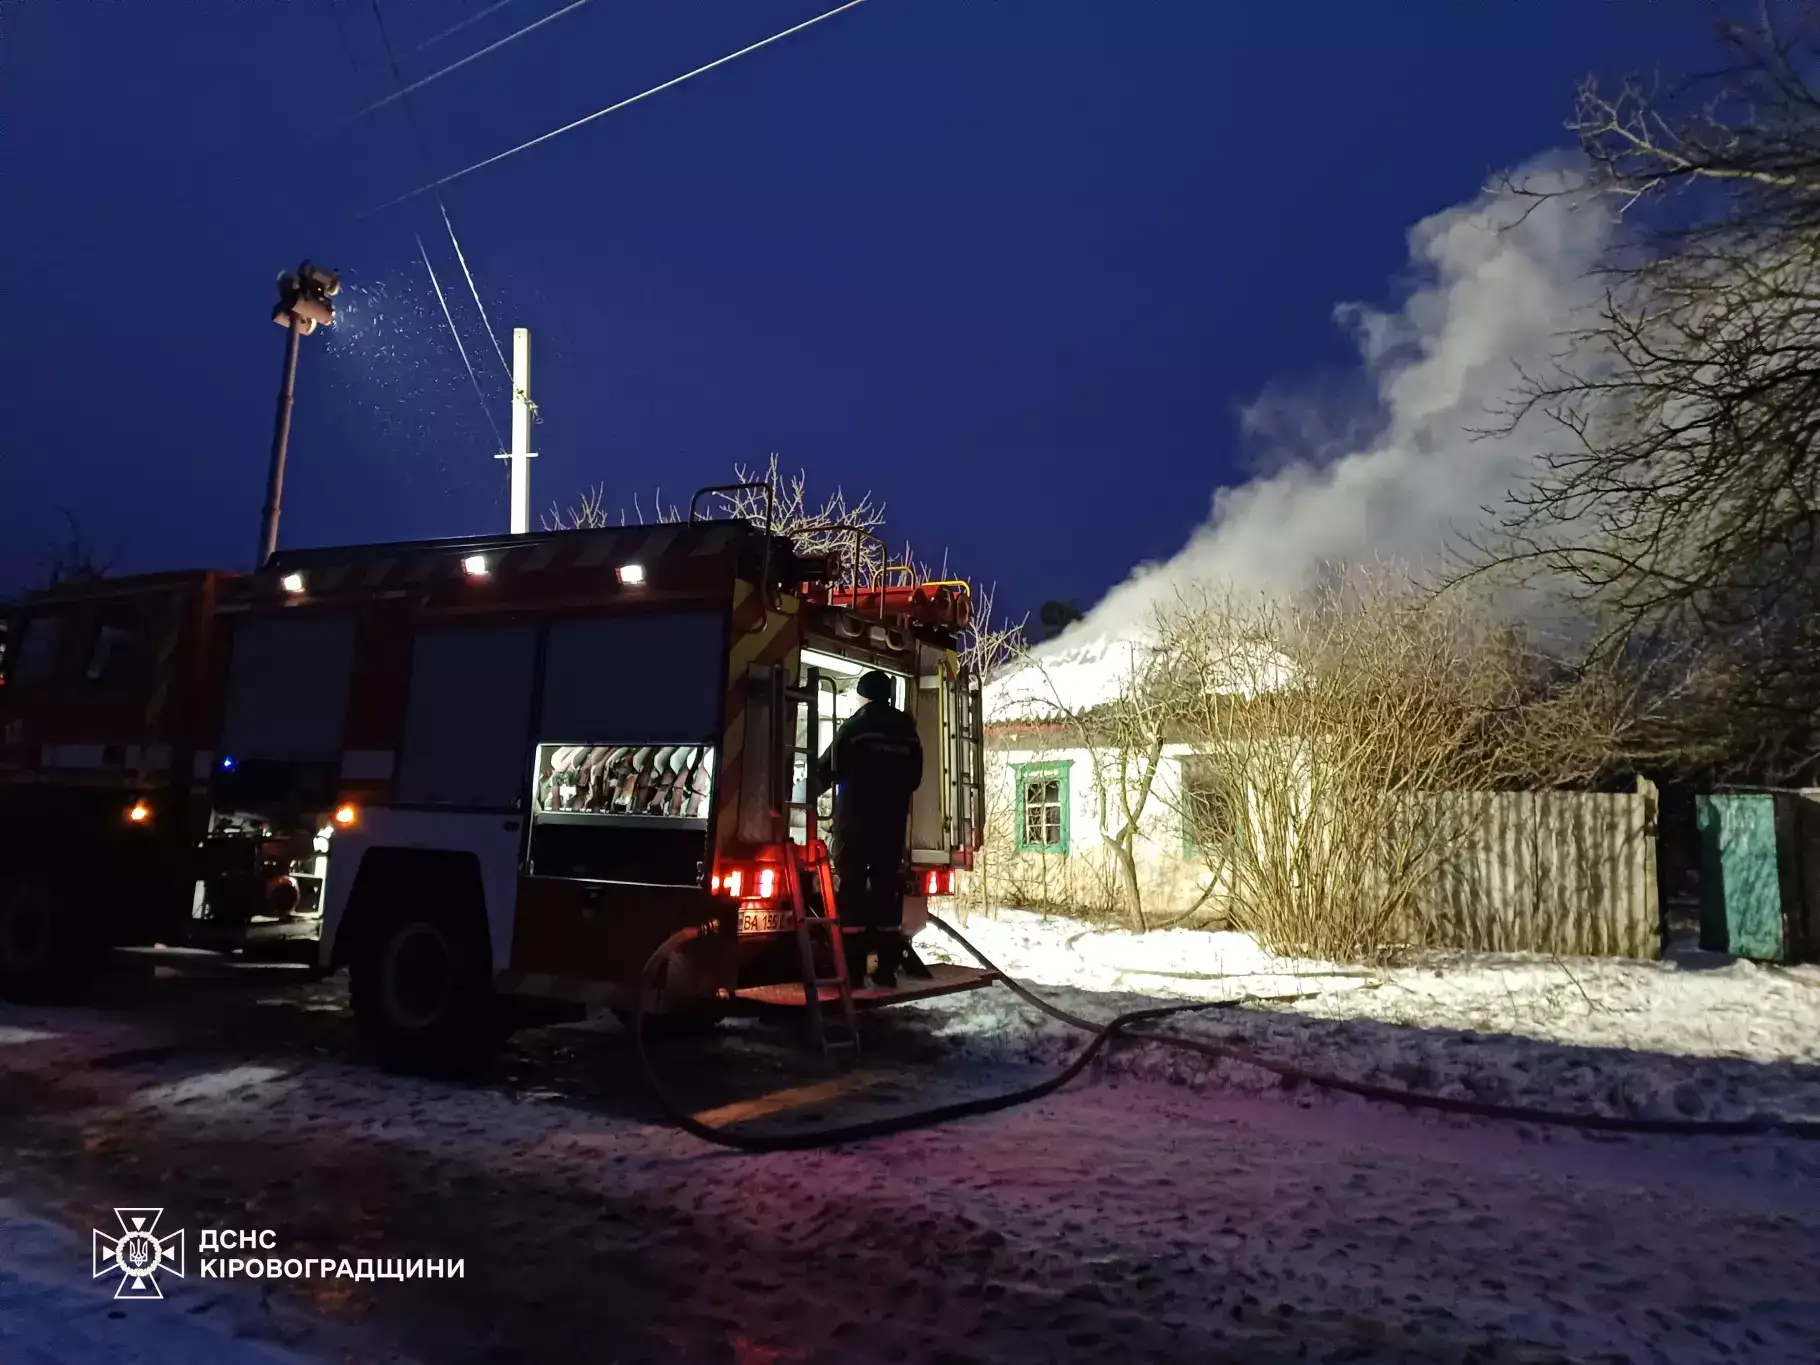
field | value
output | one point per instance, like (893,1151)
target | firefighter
(874,764)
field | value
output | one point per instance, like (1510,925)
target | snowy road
(1123,1220)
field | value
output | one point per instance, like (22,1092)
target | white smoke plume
(1497,281)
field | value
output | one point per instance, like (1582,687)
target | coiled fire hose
(1129,1025)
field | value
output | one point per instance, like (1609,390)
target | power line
(436,185)
(472,289)
(391,56)
(347,46)
(399,94)
(423,150)
(453,29)
(497,438)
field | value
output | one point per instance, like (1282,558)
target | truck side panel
(599,933)
(95,718)
(99,687)
(762,636)
(493,838)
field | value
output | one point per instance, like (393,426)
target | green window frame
(1048,831)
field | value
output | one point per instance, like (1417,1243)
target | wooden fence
(1569,873)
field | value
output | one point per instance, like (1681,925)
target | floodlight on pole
(303,306)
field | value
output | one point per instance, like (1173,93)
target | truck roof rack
(456,547)
(947,603)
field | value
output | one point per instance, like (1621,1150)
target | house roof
(1061,680)
(1055,682)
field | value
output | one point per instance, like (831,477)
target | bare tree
(823,525)
(1124,735)
(993,642)
(790,509)
(590,511)
(1126,740)
(1336,734)
(1682,502)
(74,560)
(817,524)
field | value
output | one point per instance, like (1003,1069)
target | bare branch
(1680,506)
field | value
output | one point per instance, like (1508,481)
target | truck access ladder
(840,1034)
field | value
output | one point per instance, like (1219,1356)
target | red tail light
(938,881)
(745,881)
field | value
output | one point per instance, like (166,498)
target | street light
(303,306)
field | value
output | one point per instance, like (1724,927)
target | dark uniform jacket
(875,763)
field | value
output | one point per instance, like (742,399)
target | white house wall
(1557,872)
(1170,882)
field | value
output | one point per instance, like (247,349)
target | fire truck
(474,771)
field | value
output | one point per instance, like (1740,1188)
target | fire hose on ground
(1130,1025)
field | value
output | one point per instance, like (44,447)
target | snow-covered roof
(1062,679)
(1057,681)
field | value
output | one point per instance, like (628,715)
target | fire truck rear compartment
(630,813)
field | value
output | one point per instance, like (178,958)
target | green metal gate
(1751,901)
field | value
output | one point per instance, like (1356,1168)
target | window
(625,760)
(656,781)
(645,679)
(36,659)
(287,692)
(116,647)
(1042,808)
(468,718)
(1211,806)
(622,812)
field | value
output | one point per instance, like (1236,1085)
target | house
(1080,816)
(1100,798)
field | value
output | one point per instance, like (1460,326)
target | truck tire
(45,957)
(420,980)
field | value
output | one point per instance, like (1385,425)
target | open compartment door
(967,740)
(932,808)
(945,816)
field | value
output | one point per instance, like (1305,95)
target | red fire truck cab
(464,769)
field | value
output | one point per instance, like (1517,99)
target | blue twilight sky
(1013,265)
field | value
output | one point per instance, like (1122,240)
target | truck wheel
(43,956)
(422,991)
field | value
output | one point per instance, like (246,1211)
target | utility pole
(521,453)
(303,305)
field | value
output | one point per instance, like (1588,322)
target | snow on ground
(1113,1224)
(1697,1037)
(1110,1224)
(53,1313)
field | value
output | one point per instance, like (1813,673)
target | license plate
(764,921)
